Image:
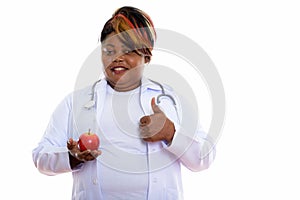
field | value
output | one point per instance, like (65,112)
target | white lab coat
(193,150)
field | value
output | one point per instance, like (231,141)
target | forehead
(113,40)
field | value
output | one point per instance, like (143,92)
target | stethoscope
(91,103)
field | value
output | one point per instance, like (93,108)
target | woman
(142,143)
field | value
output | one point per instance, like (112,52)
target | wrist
(170,131)
(74,162)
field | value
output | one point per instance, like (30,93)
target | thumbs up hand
(156,127)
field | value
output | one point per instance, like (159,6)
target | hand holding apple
(82,155)
(89,141)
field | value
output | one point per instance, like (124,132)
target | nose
(119,58)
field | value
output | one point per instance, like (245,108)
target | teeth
(119,68)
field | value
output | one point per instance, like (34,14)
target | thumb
(155,107)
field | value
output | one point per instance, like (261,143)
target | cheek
(105,61)
(135,62)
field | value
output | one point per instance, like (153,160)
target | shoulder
(151,84)
(82,91)
(75,96)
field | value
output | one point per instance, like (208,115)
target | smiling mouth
(118,69)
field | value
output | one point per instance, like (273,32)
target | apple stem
(89,131)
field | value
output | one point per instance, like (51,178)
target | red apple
(88,141)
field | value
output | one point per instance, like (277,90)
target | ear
(147,59)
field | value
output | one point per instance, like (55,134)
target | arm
(196,153)
(51,156)
(190,143)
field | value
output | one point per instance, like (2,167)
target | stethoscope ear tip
(89,104)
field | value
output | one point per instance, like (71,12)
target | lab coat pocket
(78,187)
(86,183)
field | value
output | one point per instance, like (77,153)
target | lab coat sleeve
(192,146)
(51,155)
(196,153)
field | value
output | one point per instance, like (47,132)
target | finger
(92,155)
(78,156)
(89,157)
(70,141)
(85,153)
(144,131)
(96,153)
(148,139)
(155,107)
(71,144)
(145,120)
(147,136)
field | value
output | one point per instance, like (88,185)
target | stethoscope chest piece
(89,104)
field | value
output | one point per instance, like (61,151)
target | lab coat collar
(148,84)
(145,84)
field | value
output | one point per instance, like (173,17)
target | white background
(255,46)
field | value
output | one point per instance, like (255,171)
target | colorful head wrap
(134,28)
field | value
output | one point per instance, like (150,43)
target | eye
(127,51)
(108,52)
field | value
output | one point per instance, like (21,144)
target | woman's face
(123,67)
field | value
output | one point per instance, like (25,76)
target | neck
(122,88)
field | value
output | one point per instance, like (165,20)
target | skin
(76,156)
(159,127)
(115,55)
(123,70)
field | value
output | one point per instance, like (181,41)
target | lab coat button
(95,181)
